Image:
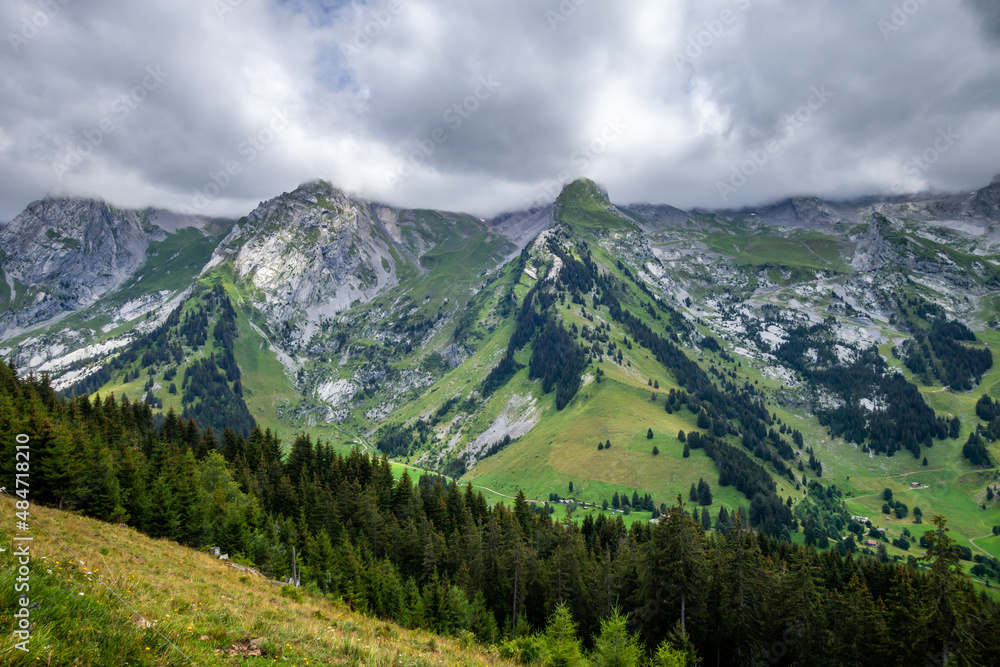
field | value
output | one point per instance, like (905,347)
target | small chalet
(871,543)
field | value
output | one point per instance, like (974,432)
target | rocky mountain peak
(873,251)
(69,251)
(583,189)
(312,252)
(986,201)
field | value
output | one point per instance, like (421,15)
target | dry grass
(110,595)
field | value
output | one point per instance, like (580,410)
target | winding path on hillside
(972,540)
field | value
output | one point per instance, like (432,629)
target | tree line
(901,418)
(429,554)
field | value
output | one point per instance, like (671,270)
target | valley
(365,325)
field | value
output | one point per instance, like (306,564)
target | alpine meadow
(543,333)
(584,432)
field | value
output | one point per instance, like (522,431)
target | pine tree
(162,520)
(525,517)
(950,599)
(672,569)
(190,506)
(649,434)
(616,646)
(704,493)
(58,468)
(668,656)
(687,451)
(100,493)
(561,647)
(132,474)
(722,521)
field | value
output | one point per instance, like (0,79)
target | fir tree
(561,646)
(162,520)
(616,645)
(950,596)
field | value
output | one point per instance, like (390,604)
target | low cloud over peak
(212,107)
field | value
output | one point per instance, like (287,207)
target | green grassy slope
(108,595)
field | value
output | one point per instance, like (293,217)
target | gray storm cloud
(484,107)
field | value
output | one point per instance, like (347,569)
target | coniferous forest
(427,553)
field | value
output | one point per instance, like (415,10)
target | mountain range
(568,352)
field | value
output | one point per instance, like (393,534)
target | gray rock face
(68,252)
(313,251)
(986,202)
(873,252)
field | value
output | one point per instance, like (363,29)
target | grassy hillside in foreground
(210,611)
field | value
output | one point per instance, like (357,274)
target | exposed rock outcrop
(68,252)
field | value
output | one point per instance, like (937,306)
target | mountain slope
(504,352)
(107,594)
(63,254)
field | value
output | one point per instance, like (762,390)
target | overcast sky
(215,105)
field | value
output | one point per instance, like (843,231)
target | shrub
(291,592)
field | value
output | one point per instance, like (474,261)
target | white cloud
(368,84)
